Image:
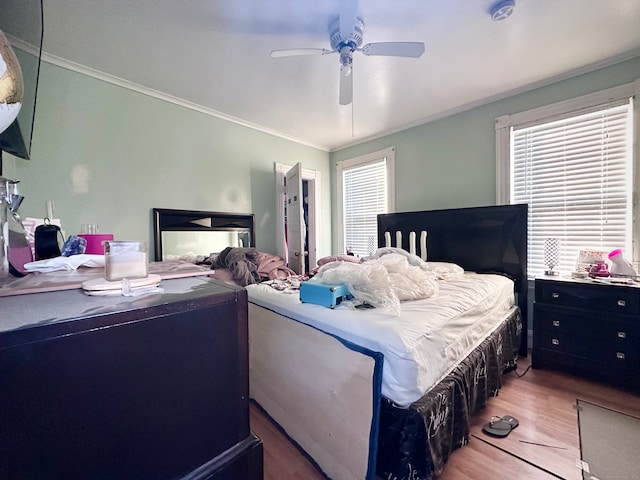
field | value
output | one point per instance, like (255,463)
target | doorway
(301,251)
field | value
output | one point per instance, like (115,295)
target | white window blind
(365,188)
(576,174)
(364,197)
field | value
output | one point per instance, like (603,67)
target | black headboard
(479,239)
(198,222)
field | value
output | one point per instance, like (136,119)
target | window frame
(362,160)
(569,108)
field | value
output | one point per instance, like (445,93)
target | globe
(11,86)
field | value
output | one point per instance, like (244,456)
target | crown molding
(121,82)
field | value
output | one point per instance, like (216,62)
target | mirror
(180,245)
(22,23)
(184,234)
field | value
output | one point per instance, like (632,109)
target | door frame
(312,177)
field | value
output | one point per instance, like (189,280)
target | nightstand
(588,328)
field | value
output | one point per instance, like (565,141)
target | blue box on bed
(325,294)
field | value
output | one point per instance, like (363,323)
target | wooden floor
(545,446)
(282,460)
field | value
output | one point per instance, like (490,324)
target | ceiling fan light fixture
(346,60)
(502,9)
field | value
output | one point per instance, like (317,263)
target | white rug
(609,443)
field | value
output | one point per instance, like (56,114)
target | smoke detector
(502,9)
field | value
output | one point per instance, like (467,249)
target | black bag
(48,241)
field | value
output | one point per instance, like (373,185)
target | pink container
(94,242)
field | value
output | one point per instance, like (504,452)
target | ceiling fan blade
(346,85)
(394,49)
(294,52)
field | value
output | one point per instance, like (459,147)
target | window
(572,163)
(364,189)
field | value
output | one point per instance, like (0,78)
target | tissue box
(95,242)
(325,294)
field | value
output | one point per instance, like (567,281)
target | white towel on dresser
(65,263)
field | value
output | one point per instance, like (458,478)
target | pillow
(444,270)
(338,258)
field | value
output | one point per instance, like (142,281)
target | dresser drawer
(621,375)
(616,353)
(589,296)
(584,324)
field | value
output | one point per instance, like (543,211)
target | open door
(309,202)
(296,227)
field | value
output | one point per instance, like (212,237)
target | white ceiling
(216,54)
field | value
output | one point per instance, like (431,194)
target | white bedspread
(422,345)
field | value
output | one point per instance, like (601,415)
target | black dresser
(148,387)
(589,329)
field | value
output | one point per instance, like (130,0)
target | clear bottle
(15,250)
(619,266)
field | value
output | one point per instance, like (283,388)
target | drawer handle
(620,355)
(622,334)
(555,341)
(555,295)
(622,303)
(556,323)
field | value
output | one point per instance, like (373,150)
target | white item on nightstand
(619,265)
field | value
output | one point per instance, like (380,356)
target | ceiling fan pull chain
(353,135)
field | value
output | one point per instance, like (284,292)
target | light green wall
(107,155)
(450,163)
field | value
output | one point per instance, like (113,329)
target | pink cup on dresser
(94,242)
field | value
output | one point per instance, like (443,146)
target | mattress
(424,342)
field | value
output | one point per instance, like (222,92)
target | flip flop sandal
(500,426)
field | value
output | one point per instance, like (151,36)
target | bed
(329,390)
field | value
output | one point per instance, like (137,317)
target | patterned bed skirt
(414,443)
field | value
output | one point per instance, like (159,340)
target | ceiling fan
(345,38)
